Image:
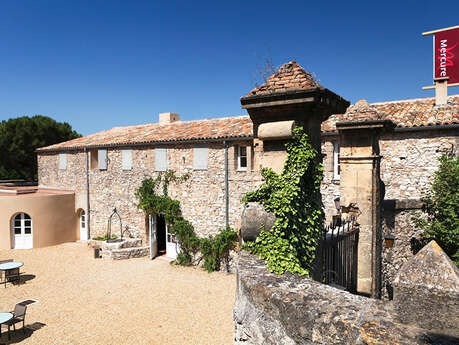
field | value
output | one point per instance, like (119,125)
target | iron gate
(336,260)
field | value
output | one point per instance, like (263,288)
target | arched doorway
(83,226)
(22,231)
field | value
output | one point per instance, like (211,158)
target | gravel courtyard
(82,300)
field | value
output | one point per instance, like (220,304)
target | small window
(127,159)
(200,158)
(62,161)
(160,159)
(94,159)
(242,158)
(102,159)
(336,164)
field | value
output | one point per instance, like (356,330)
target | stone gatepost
(290,96)
(361,188)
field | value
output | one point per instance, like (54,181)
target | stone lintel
(369,124)
(284,102)
(364,159)
(402,204)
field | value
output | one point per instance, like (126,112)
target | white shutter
(62,161)
(200,158)
(160,159)
(127,159)
(102,155)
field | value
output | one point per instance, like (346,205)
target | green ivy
(441,208)
(213,250)
(294,198)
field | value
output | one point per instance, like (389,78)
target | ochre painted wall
(54,219)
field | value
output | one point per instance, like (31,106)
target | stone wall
(202,196)
(409,161)
(288,309)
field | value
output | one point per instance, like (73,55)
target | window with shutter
(336,165)
(200,158)
(62,161)
(127,159)
(102,156)
(160,159)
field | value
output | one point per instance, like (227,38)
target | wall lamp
(389,240)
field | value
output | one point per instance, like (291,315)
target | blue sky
(101,64)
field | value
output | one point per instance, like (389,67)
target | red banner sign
(446,55)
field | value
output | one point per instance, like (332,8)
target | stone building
(223,158)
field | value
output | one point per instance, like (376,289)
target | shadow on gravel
(19,335)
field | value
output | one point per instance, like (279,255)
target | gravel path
(83,300)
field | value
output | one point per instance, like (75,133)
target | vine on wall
(294,198)
(213,250)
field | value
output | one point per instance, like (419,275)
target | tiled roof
(408,113)
(289,77)
(229,127)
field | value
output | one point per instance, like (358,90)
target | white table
(5,317)
(11,266)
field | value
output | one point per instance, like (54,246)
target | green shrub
(294,198)
(213,250)
(441,208)
(103,238)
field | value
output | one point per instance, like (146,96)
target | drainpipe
(88,211)
(226,185)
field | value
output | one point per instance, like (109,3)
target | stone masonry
(202,196)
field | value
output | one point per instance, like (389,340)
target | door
(172,247)
(22,230)
(152,234)
(83,227)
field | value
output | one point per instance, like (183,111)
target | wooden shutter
(160,159)
(102,155)
(127,159)
(62,161)
(200,158)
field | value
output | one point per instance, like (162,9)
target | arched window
(22,231)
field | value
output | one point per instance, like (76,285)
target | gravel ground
(83,300)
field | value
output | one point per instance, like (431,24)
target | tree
(20,137)
(441,206)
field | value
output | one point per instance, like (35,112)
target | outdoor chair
(19,314)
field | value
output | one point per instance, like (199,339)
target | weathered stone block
(426,291)
(254,218)
(287,309)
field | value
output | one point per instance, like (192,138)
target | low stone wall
(287,309)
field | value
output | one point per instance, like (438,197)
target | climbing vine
(294,198)
(154,199)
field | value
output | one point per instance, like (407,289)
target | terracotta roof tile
(407,113)
(229,127)
(289,77)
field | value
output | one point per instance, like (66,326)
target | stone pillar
(361,195)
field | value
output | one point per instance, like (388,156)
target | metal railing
(336,260)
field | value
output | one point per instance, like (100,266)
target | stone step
(125,253)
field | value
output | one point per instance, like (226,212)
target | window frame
(126,159)
(240,156)
(63,161)
(158,166)
(336,162)
(199,152)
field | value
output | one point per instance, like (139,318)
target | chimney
(168,117)
(441,91)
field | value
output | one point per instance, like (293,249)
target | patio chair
(19,314)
